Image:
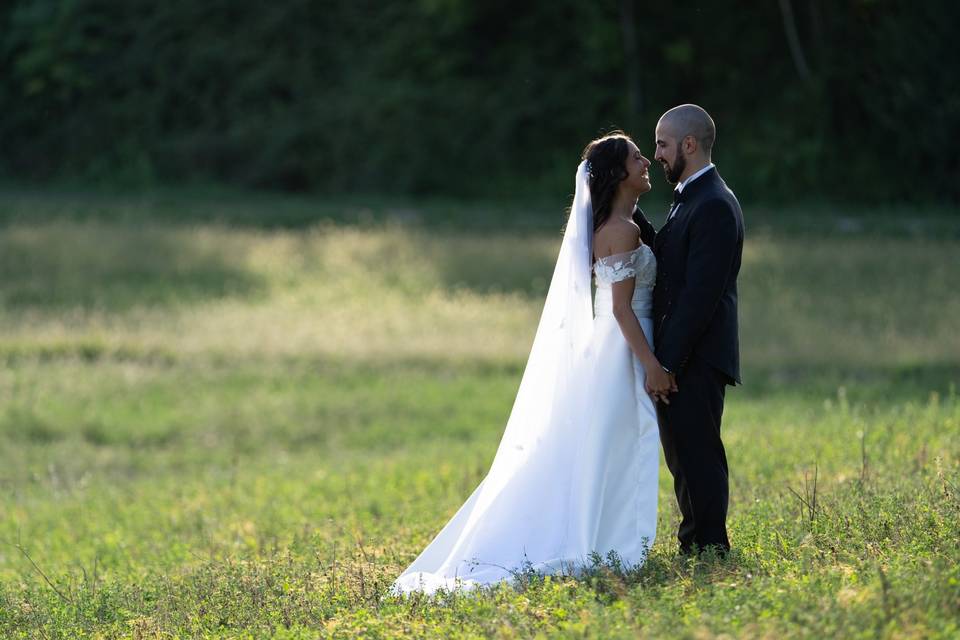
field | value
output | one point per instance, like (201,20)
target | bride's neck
(623,205)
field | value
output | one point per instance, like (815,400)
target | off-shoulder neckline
(625,253)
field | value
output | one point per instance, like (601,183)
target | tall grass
(214,428)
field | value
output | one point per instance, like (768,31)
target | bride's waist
(642,302)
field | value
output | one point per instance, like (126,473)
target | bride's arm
(657,380)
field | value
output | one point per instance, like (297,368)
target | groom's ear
(689,145)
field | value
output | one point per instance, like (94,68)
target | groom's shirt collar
(693,177)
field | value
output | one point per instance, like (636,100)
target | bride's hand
(659,384)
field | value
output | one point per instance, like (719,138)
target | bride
(576,471)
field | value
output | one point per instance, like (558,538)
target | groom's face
(668,154)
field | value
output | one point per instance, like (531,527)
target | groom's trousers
(690,434)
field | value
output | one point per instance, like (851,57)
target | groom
(698,253)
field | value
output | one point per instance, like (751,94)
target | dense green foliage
(243,430)
(836,100)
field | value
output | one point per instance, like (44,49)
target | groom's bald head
(690,120)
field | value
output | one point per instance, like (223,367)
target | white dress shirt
(689,179)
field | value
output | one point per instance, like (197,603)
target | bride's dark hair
(607,160)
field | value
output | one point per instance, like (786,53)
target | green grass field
(239,415)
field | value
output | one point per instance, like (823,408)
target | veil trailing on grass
(522,509)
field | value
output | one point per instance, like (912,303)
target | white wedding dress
(576,472)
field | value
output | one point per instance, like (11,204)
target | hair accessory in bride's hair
(589,168)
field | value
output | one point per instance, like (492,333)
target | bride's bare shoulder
(615,236)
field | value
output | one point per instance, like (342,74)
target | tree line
(852,99)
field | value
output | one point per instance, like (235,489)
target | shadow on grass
(879,384)
(232,206)
(61,266)
(606,576)
(662,570)
(409,403)
(274,210)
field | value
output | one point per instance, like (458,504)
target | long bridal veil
(529,509)
(553,388)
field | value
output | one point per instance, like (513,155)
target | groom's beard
(674,172)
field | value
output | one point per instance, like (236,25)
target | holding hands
(659,383)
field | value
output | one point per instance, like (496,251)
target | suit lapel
(669,224)
(661,236)
(690,198)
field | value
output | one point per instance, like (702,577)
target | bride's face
(638,174)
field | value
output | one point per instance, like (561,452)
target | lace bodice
(640,264)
